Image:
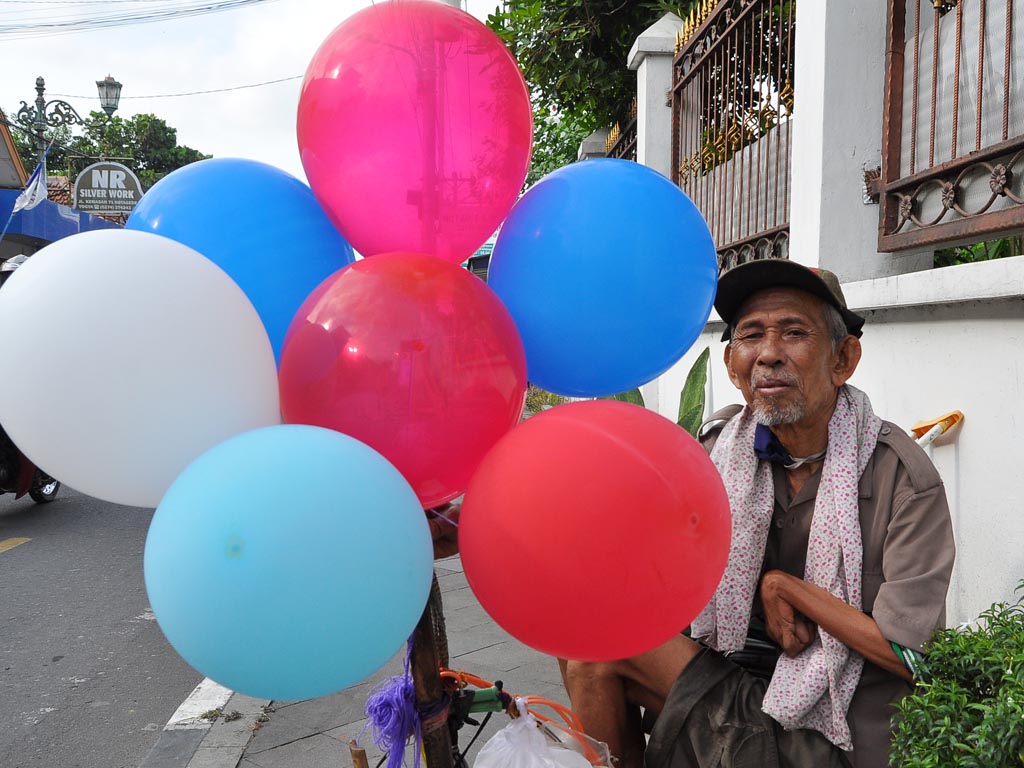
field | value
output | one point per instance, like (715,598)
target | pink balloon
(413,356)
(414,128)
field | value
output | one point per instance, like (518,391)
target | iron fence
(732,113)
(953,132)
(621,141)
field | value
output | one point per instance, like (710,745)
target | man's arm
(788,599)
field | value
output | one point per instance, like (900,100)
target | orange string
(462,679)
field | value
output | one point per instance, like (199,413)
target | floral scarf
(814,689)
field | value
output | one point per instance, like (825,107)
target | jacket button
(886,430)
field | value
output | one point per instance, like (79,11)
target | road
(87,680)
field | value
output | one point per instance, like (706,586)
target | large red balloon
(413,356)
(414,128)
(595,531)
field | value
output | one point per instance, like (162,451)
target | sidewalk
(315,733)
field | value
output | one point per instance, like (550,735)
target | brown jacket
(908,558)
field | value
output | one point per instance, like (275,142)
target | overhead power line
(188,93)
(148,12)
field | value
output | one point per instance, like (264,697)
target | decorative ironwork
(732,103)
(948,194)
(906,208)
(771,245)
(786,95)
(1000,180)
(957,190)
(54,113)
(621,142)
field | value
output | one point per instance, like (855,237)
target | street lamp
(56,113)
(110,92)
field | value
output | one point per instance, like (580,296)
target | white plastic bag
(520,744)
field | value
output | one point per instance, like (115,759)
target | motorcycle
(18,475)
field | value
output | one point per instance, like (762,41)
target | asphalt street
(87,680)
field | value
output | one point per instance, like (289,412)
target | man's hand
(785,625)
(444,531)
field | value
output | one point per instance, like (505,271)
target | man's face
(781,358)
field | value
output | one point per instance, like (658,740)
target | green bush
(967,706)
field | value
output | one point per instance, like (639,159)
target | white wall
(936,342)
(837,134)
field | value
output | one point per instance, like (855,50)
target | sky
(256,43)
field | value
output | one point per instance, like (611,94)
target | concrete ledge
(983,281)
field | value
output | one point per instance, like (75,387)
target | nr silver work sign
(107,188)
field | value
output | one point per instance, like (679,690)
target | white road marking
(206,696)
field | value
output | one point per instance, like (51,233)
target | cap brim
(739,283)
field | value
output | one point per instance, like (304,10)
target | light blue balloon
(609,271)
(259,224)
(288,562)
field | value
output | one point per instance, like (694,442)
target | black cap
(739,283)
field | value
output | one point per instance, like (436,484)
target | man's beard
(770,413)
(773,414)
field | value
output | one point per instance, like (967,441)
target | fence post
(593,146)
(651,58)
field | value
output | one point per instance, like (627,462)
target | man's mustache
(776,379)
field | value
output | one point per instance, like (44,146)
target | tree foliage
(147,142)
(573,55)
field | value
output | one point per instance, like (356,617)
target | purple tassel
(391,709)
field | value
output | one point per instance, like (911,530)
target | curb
(192,741)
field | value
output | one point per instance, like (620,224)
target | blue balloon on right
(609,271)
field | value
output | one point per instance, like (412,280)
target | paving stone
(459,598)
(476,638)
(453,563)
(316,751)
(215,757)
(174,749)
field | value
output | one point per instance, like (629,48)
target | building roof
(58,189)
(12,171)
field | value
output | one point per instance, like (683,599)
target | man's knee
(577,673)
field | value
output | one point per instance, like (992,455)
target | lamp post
(55,113)
(52,113)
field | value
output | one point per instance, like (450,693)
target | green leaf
(633,396)
(691,399)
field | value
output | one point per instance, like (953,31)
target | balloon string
(437,520)
(438,513)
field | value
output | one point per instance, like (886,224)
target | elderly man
(840,559)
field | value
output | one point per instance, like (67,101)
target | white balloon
(126,355)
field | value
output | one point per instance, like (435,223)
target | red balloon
(595,531)
(414,129)
(413,356)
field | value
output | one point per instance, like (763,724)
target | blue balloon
(609,272)
(259,224)
(288,562)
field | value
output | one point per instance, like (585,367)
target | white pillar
(651,57)
(593,146)
(837,134)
